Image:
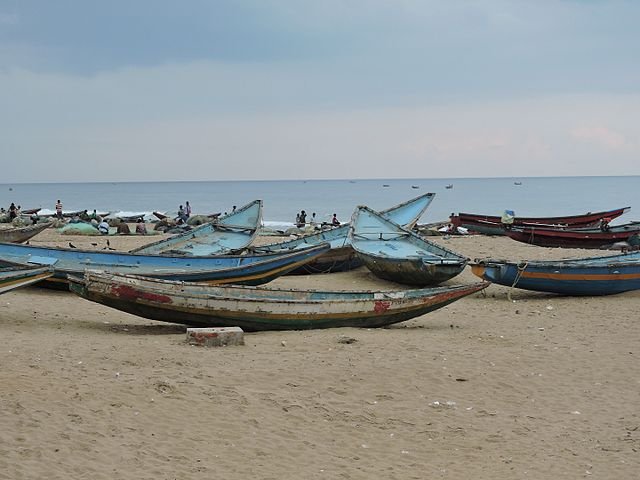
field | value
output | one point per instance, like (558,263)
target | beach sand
(540,387)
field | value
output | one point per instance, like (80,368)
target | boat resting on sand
(574,276)
(341,257)
(21,234)
(226,235)
(261,308)
(492,225)
(399,255)
(566,238)
(16,276)
(241,269)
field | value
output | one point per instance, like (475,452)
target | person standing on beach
(187,209)
(59,209)
(13,211)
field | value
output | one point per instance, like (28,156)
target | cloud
(602,136)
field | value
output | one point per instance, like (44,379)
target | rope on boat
(521,269)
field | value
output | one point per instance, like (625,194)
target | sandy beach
(540,387)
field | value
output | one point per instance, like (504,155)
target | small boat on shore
(341,256)
(21,234)
(606,275)
(219,269)
(399,255)
(226,235)
(579,238)
(261,308)
(17,276)
(493,225)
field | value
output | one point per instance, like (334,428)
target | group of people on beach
(184,213)
(301,220)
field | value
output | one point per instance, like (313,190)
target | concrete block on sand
(215,337)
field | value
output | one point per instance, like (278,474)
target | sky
(161,90)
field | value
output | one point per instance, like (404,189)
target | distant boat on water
(415,186)
(385,185)
(450,186)
(517,183)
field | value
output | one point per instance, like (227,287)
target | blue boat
(241,269)
(341,256)
(225,235)
(606,275)
(399,255)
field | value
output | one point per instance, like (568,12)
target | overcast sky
(273,89)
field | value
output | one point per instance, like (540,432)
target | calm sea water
(282,199)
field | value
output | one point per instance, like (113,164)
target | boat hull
(570,238)
(260,309)
(601,276)
(241,269)
(20,276)
(21,234)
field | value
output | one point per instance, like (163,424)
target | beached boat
(568,238)
(574,276)
(21,234)
(399,255)
(241,269)
(229,234)
(492,225)
(341,257)
(260,308)
(16,276)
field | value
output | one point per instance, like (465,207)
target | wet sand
(539,387)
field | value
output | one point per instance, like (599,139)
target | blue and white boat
(241,269)
(399,255)
(225,235)
(341,256)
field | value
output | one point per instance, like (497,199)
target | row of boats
(212,275)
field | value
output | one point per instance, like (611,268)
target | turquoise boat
(605,275)
(242,269)
(225,235)
(399,255)
(341,256)
(262,308)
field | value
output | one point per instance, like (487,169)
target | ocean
(540,196)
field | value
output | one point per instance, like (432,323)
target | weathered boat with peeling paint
(242,269)
(21,234)
(399,255)
(341,257)
(606,275)
(17,276)
(261,308)
(225,235)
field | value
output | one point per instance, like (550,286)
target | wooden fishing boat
(399,255)
(16,276)
(30,211)
(241,269)
(229,234)
(341,257)
(21,234)
(260,308)
(567,238)
(574,276)
(492,225)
